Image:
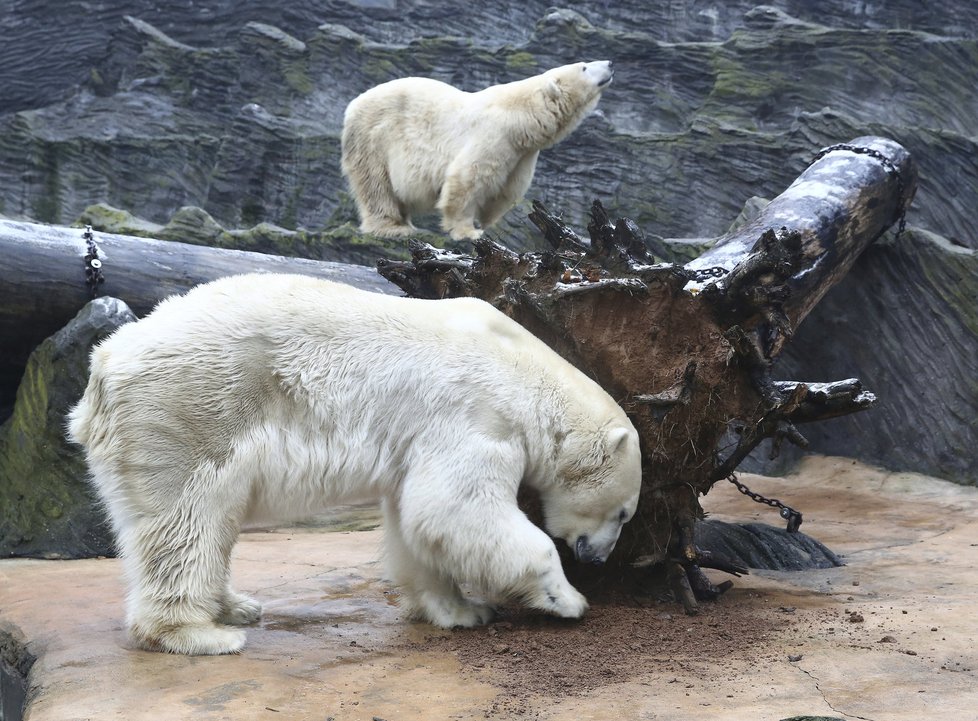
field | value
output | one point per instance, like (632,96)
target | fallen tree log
(688,351)
(44,284)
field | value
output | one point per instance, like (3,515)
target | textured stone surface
(48,507)
(905,321)
(240,113)
(201,119)
(331,642)
(762,546)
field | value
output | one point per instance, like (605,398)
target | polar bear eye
(622,516)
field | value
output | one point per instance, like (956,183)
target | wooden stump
(687,351)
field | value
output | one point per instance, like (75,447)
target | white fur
(274,396)
(415,145)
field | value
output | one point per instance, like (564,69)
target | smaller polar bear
(415,145)
(264,397)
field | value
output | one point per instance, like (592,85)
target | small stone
(909,652)
(786,609)
(855,583)
(500,648)
(856,618)
(664,616)
(934,628)
(887,639)
(794,658)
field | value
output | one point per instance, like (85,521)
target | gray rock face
(49,509)
(905,321)
(236,109)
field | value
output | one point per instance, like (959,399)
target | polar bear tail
(83,419)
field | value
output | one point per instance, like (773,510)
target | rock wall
(236,109)
(49,509)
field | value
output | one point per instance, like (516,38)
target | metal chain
(788,513)
(888,165)
(93,265)
(699,274)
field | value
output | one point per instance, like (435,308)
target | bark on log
(43,282)
(690,360)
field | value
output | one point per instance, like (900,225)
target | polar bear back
(413,127)
(320,391)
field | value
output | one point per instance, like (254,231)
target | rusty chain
(788,513)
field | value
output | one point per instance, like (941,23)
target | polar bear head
(571,92)
(583,80)
(596,491)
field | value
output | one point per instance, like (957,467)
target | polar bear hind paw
(387,229)
(238,610)
(208,639)
(447,612)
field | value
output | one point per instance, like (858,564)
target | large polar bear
(264,397)
(414,145)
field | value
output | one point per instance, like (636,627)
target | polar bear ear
(552,88)
(617,438)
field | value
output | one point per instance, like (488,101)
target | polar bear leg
(525,561)
(511,192)
(426,594)
(458,201)
(177,561)
(472,530)
(380,211)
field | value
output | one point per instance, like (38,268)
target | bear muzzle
(584,552)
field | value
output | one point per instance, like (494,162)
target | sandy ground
(893,635)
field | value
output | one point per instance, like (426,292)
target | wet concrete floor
(891,636)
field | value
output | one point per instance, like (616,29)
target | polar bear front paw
(568,603)
(465,233)
(556,596)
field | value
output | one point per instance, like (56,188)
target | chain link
(788,513)
(93,265)
(888,165)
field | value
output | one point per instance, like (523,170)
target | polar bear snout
(585,553)
(596,549)
(600,72)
